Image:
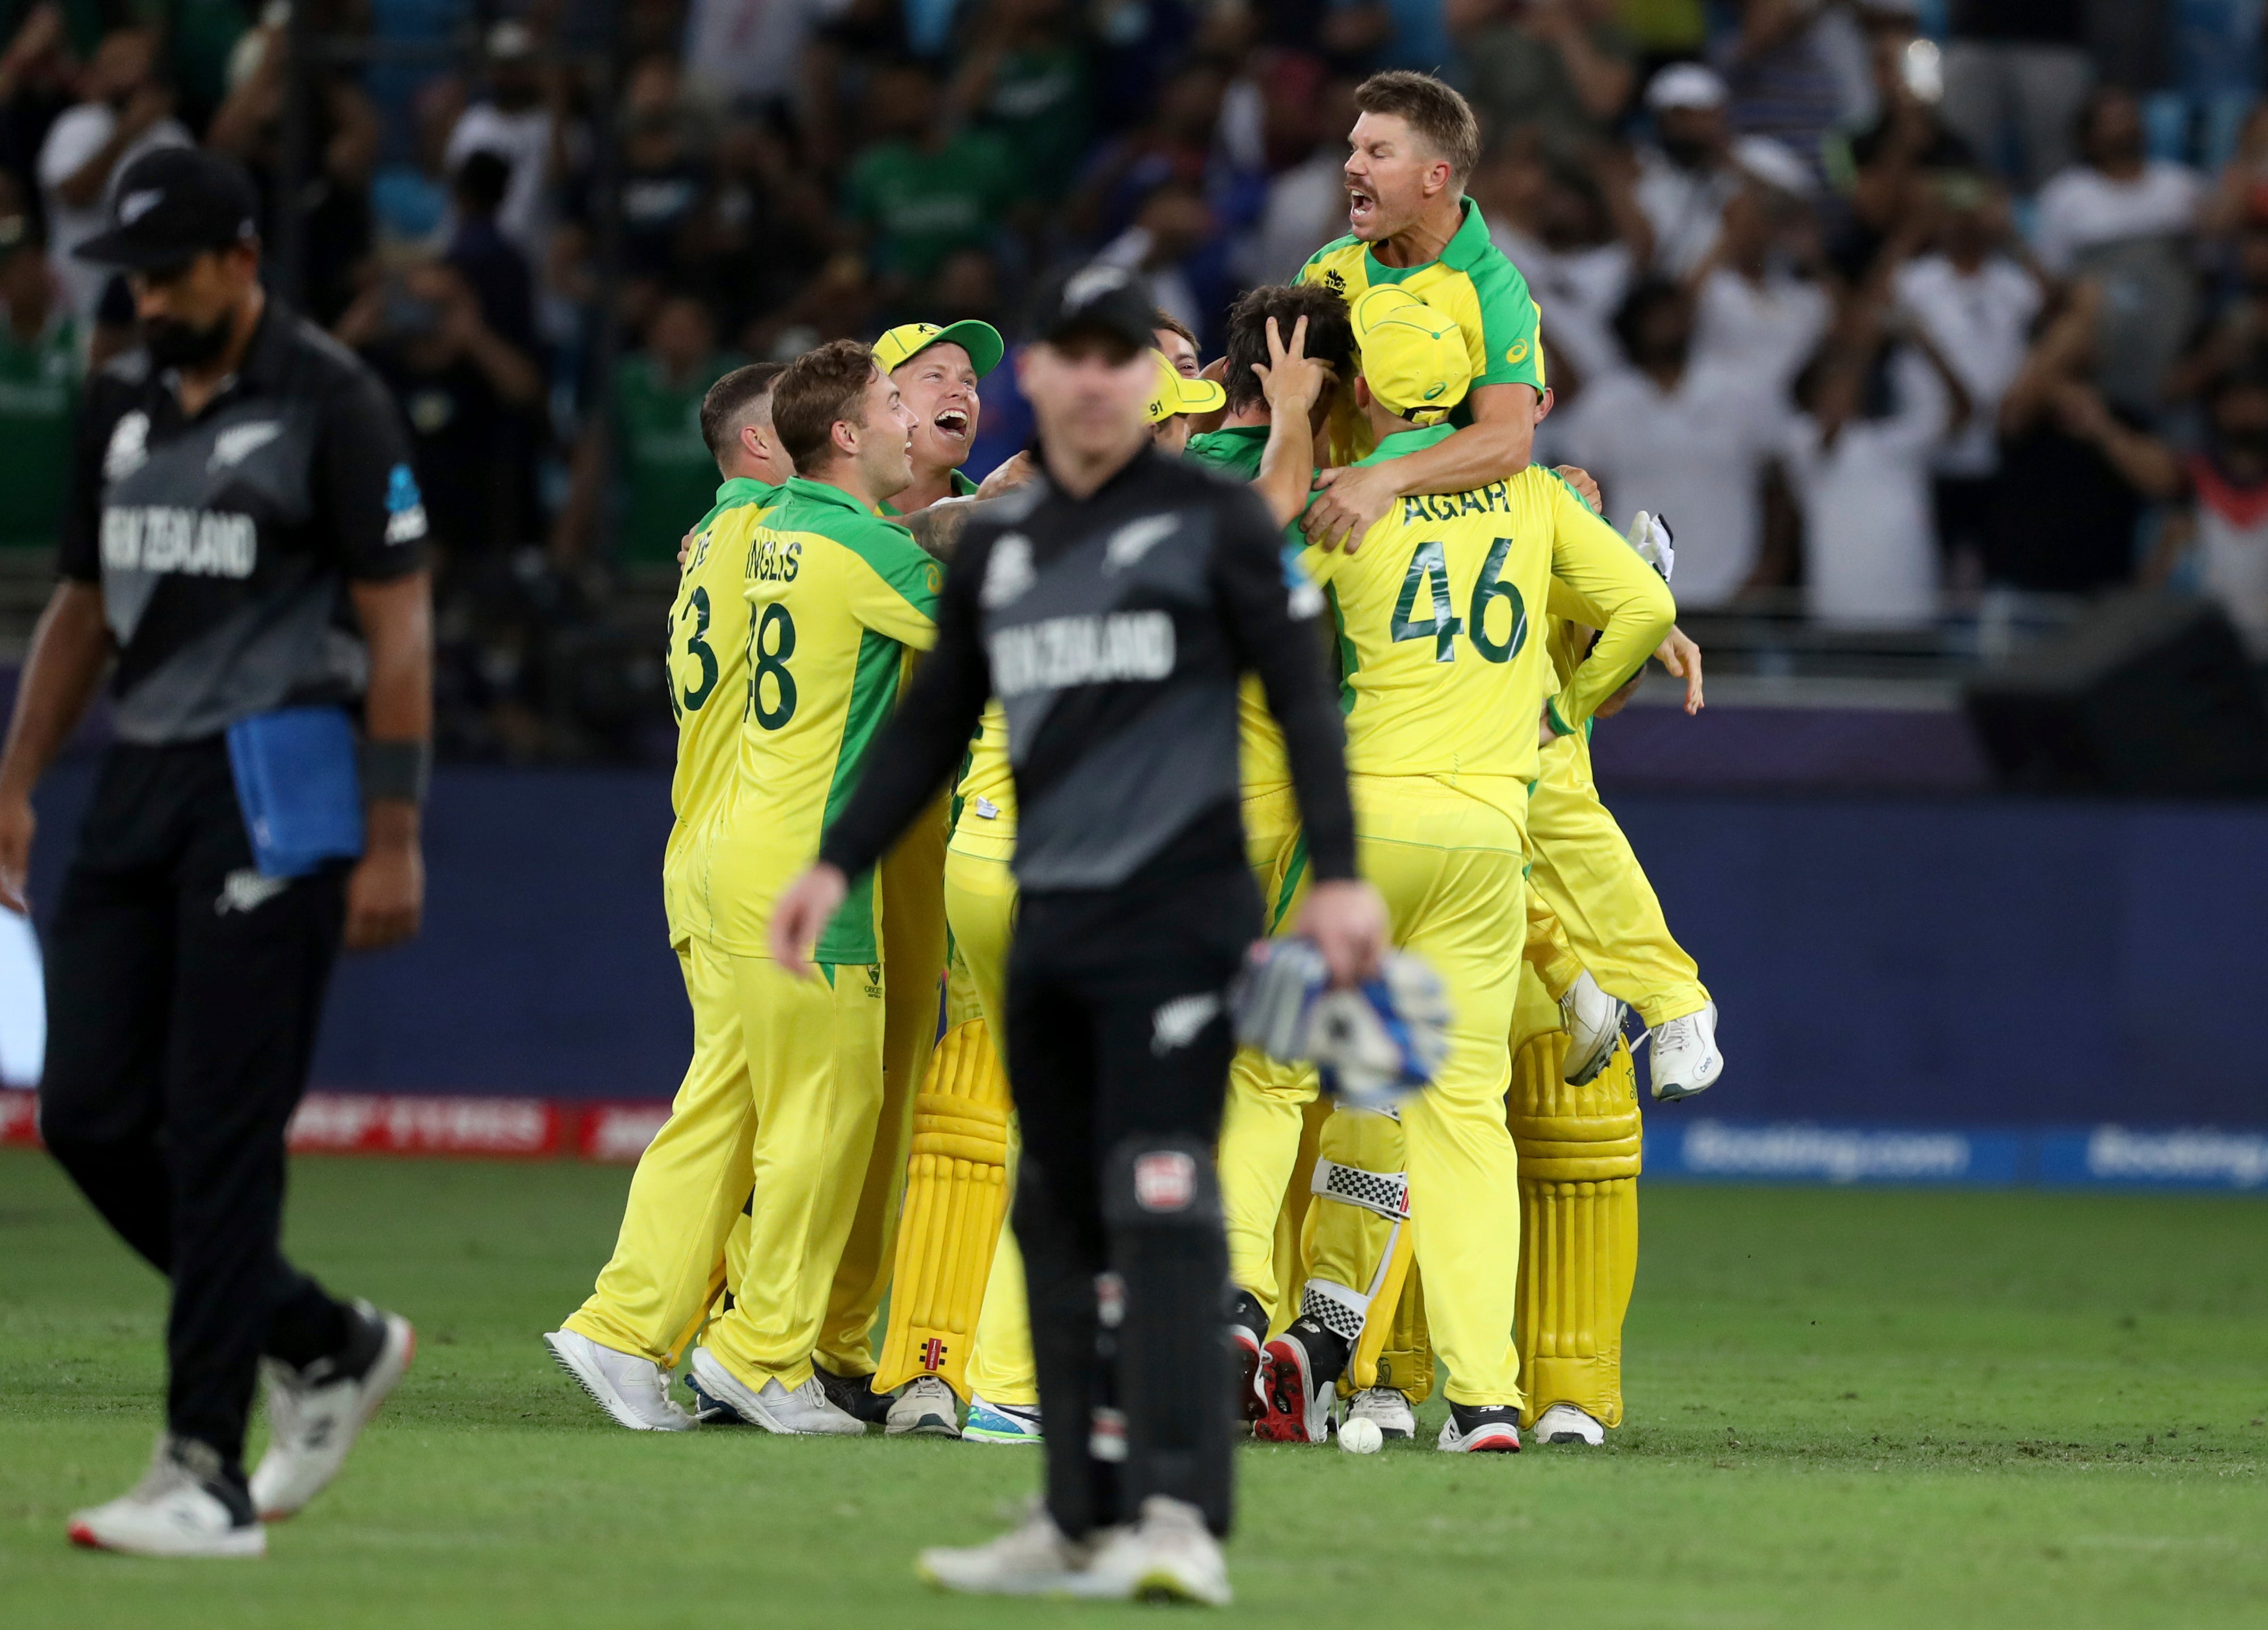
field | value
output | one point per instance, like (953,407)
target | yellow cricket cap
(981,339)
(1413,356)
(1177,392)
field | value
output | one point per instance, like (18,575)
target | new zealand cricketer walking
(1112,606)
(244,535)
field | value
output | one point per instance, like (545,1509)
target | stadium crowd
(1891,305)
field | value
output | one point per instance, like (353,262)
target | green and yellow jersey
(835,595)
(1263,765)
(1444,672)
(984,797)
(1470,281)
(707,675)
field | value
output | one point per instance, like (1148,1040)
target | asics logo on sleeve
(1063,652)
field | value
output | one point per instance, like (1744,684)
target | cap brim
(120,248)
(981,339)
(1202,395)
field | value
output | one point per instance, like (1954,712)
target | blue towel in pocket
(297,784)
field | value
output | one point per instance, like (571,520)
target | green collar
(1407,441)
(961,486)
(737,493)
(823,492)
(1259,431)
(1465,248)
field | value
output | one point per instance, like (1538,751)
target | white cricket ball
(1360,1437)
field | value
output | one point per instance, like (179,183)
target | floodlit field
(1846,1409)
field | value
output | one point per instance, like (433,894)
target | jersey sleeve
(367,487)
(78,555)
(1604,584)
(894,587)
(1508,325)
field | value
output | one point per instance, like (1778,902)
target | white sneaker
(1032,1559)
(1000,1423)
(1594,1022)
(177,1510)
(314,1416)
(631,1388)
(1564,1423)
(1169,1555)
(924,1407)
(804,1413)
(1386,1407)
(1685,1057)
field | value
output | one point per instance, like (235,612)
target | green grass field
(1845,1409)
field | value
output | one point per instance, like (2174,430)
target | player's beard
(173,344)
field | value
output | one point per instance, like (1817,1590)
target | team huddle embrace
(1297,643)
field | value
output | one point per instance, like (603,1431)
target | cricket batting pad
(1397,1351)
(956,1199)
(1357,1229)
(1579,1168)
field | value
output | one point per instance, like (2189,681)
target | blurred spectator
(665,181)
(2015,74)
(1781,74)
(1564,66)
(1677,437)
(1372,34)
(1305,205)
(123,113)
(37,71)
(668,475)
(1884,164)
(1976,304)
(1174,144)
(923,188)
(2221,532)
(2065,505)
(343,137)
(766,226)
(39,373)
(490,263)
(1685,175)
(1559,227)
(1025,78)
(409,197)
(1873,408)
(521,122)
(466,393)
(1173,226)
(745,54)
(1759,311)
(2239,330)
(2126,221)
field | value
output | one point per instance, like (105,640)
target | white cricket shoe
(924,1407)
(1685,1057)
(629,1387)
(804,1413)
(1564,1423)
(180,1507)
(1167,1555)
(1000,1423)
(1480,1429)
(1032,1559)
(1594,1022)
(315,1414)
(1388,1408)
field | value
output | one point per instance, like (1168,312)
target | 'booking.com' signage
(2056,1157)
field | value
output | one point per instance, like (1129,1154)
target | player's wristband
(397,771)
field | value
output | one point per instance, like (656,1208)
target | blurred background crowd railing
(1929,323)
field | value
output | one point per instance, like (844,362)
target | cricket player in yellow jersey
(665,1269)
(1414,147)
(1445,684)
(936,371)
(836,593)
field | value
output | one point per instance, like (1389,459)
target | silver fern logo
(1176,1023)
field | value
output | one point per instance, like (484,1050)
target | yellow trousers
(781,1096)
(1449,864)
(1587,873)
(913,879)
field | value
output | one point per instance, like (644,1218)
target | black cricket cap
(1096,299)
(173,205)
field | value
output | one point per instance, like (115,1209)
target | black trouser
(1118,1049)
(183,993)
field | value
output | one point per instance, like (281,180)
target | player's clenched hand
(1586,489)
(1347,921)
(685,546)
(802,914)
(1682,658)
(386,895)
(1349,502)
(1014,473)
